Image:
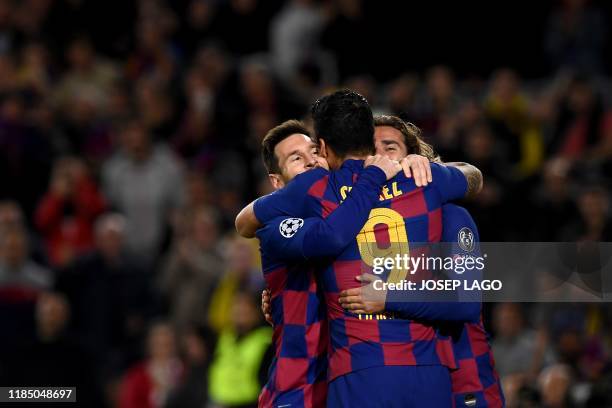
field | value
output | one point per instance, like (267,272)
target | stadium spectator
(243,353)
(197,348)
(594,222)
(54,358)
(149,383)
(192,269)
(575,37)
(19,275)
(83,90)
(66,213)
(508,112)
(294,36)
(242,274)
(514,344)
(583,128)
(144,181)
(109,294)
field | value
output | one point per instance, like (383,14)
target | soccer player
(476,382)
(379,352)
(298,372)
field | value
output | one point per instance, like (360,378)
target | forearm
(449,311)
(331,235)
(246,222)
(472,175)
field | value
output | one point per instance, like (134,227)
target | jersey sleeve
(461,239)
(292,200)
(290,238)
(450,182)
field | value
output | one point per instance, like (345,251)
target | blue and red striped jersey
(476,378)
(298,373)
(403,213)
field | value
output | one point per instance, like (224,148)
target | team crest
(465,239)
(288,227)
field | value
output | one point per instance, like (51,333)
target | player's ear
(322,148)
(276,180)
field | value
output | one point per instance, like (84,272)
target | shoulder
(310,177)
(458,224)
(455,212)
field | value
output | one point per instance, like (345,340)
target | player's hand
(390,167)
(266,309)
(419,167)
(364,299)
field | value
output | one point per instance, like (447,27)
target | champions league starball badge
(289,226)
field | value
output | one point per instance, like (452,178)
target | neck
(335,161)
(355,157)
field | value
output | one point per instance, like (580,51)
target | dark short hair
(344,119)
(412,136)
(276,135)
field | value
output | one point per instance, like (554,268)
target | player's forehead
(388,134)
(296,142)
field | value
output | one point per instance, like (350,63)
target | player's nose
(311,162)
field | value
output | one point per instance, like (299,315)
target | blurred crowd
(128,145)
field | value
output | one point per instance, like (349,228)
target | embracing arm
(368,299)
(246,222)
(295,238)
(472,175)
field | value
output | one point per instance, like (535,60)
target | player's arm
(289,201)
(455,181)
(294,238)
(368,299)
(473,177)
(246,222)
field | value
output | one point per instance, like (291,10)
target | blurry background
(129,140)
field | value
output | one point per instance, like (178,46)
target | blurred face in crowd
(67,173)
(505,85)
(110,233)
(479,143)
(161,342)
(136,142)
(194,347)
(257,85)
(440,83)
(401,92)
(245,314)
(205,228)
(150,35)
(296,154)
(14,247)
(508,320)
(198,189)
(80,55)
(10,215)
(52,314)
(390,142)
(554,383)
